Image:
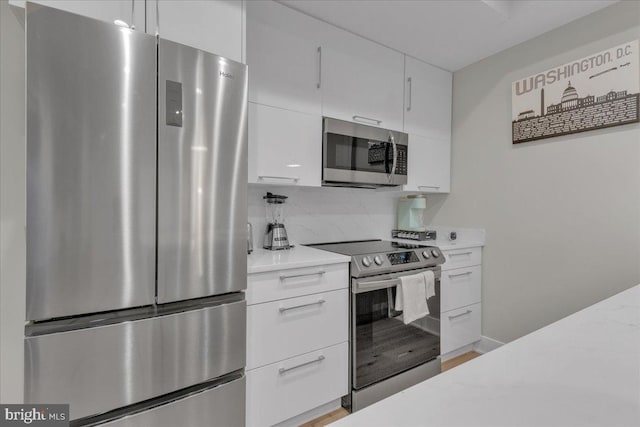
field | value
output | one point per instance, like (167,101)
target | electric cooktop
(370,257)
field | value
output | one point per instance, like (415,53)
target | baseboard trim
(486,345)
(311,414)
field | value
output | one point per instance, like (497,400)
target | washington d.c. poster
(598,91)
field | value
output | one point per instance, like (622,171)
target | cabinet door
(285,147)
(361,81)
(284,57)
(429,165)
(427,100)
(129,11)
(214,26)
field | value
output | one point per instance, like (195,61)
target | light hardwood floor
(327,418)
(341,413)
(452,363)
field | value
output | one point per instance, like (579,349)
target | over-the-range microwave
(356,155)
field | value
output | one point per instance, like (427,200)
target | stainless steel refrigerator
(136,223)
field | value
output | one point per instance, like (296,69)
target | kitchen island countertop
(583,370)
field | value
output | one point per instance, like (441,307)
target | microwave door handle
(395,156)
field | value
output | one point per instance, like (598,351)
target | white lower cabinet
(296,282)
(297,341)
(297,325)
(282,390)
(455,258)
(462,287)
(460,299)
(460,327)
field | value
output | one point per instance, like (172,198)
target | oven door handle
(364,285)
(375,284)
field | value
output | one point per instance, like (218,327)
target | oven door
(363,155)
(381,344)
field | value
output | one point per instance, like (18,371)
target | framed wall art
(595,92)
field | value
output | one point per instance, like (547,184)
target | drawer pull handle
(286,178)
(460,315)
(436,187)
(367,120)
(466,273)
(285,370)
(293,276)
(319,302)
(461,253)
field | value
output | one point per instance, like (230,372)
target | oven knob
(435,253)
(425,254)
(378,259)
(366,261)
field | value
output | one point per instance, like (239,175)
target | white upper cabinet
(361,81)
(429,165)
(427,120)
(129,11)
(285,147)
(283,57)
(427,100)
(215,26)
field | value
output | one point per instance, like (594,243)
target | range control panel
(413,257)
(402,257)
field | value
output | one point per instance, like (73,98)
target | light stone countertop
(262,260)
(445,245)
(583,370)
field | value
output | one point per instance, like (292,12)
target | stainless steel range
(386,354)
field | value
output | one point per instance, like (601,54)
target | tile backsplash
(315,215)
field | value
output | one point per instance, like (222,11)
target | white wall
(12,206)
(562,215)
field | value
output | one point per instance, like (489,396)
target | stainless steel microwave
(355,155)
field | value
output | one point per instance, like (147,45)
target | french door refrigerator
(136,226)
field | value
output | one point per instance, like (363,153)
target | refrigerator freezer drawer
(202,173)
(99,369)
(219,406)
(91,155)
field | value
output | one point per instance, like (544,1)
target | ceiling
(450,34)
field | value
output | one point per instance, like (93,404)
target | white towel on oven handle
(412,294)
(430,283)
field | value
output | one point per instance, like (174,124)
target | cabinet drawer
(295,282)
(459,327)
(455,258)
(281,329)
(460,287)
(288,388)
